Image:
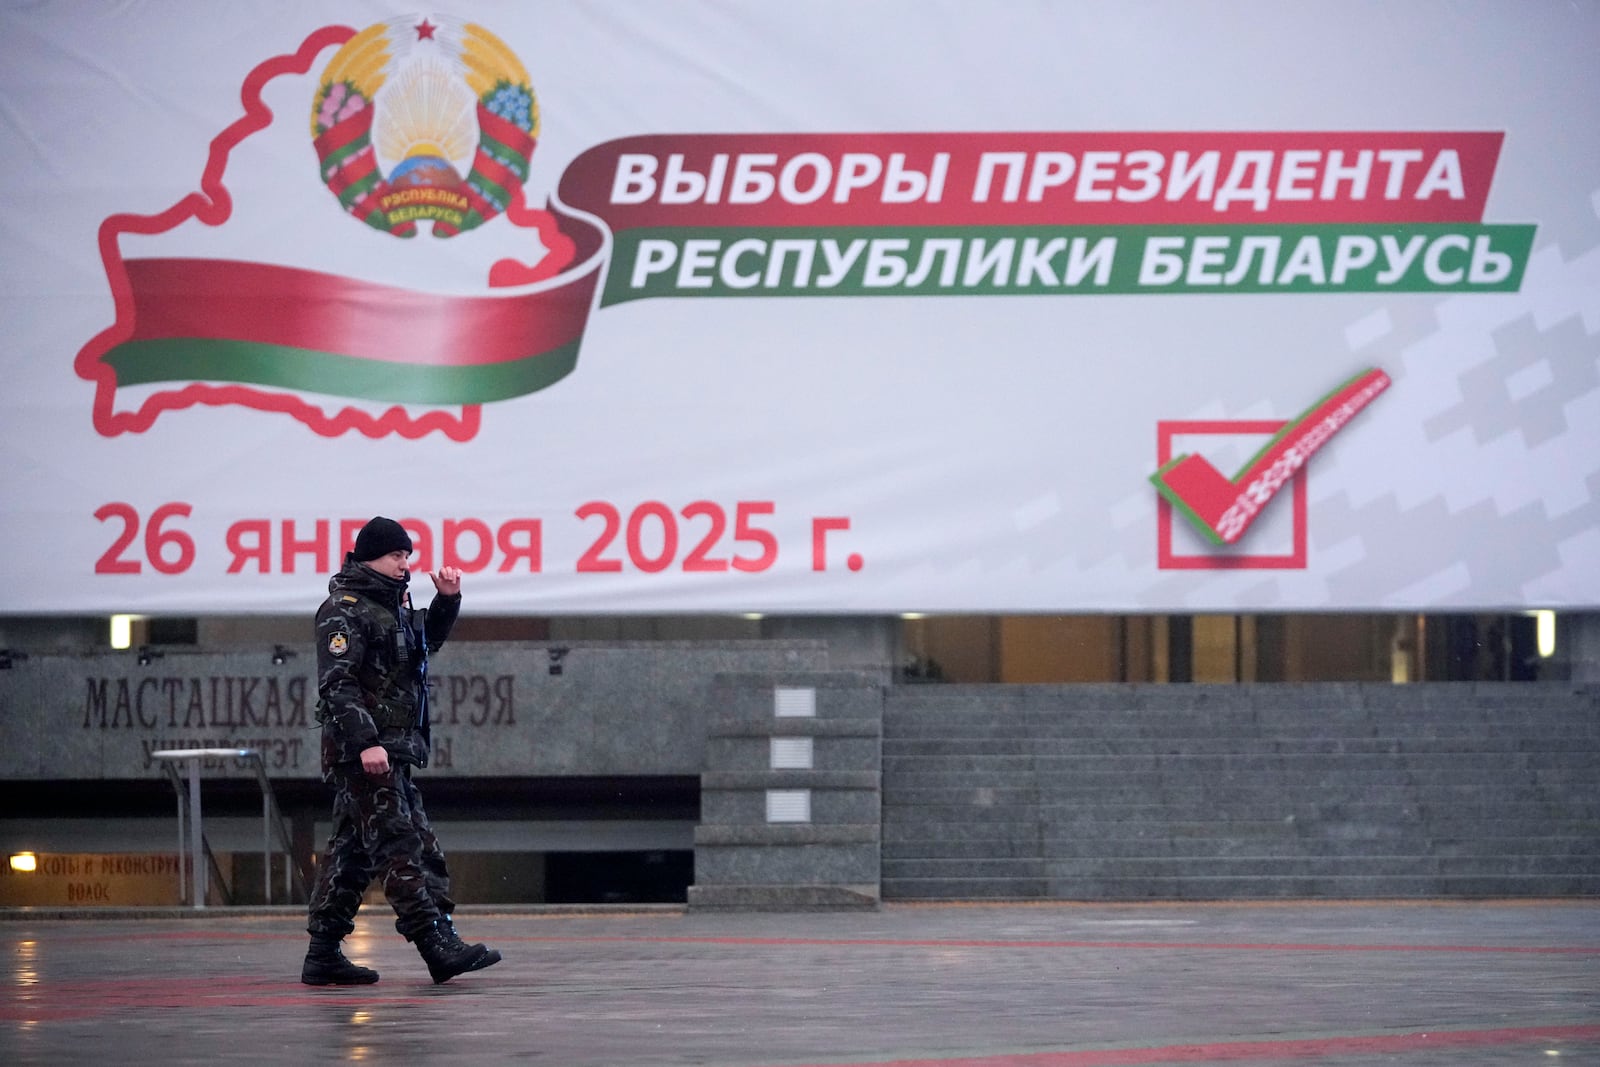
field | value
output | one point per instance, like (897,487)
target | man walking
(372,668)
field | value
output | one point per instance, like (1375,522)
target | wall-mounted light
(24,861)
(147,654)
(122,632)
(556,656)
(1544,624)
(281,655)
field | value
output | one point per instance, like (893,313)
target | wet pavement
(1053,985)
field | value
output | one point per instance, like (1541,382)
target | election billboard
(818,307)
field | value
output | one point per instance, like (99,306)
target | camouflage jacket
(372,656)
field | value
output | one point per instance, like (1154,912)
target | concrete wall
(499,709)
(895,775)
(753,849)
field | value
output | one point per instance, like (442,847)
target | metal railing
(197,864)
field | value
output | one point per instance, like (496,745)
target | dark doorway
(658,877)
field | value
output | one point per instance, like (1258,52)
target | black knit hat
(380,537)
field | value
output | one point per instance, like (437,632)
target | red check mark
(1222,508)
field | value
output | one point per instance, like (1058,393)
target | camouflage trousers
(379,830)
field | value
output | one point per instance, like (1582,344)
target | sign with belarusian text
(582,307)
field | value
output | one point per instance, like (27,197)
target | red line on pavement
(88,998)
(893,942)
(1239,1051)
(178,935)
(1187,946)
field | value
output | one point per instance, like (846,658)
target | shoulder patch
(339,643)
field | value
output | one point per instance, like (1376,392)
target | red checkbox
(1220,558)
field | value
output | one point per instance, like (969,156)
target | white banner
(818,307)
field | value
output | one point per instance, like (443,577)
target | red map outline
(212,206)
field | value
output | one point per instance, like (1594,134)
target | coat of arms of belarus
(250,292)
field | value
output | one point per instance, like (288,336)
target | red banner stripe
(479,203)
(486,166)
(343,133)
(272,305)
(354,169)
(589,181)
(507,133)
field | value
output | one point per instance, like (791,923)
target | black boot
(445,955)
(482,955)
(325,965)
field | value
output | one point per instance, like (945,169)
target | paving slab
(1454,984)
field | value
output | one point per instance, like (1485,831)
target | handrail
(195,860)
(295,876)
(223,889)
(199,852)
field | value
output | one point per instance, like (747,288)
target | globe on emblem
(424,171)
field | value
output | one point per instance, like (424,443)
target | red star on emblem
(425,30)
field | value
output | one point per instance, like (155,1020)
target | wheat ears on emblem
(407,105)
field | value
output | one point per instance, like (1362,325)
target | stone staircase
(1195,792)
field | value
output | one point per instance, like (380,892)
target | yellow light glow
(24,861)
(1545,626)
(122,631)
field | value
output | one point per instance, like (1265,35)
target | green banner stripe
(1437,257)
(506,156)
(356,190)
(489,190)
(202,359)
(337,157)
